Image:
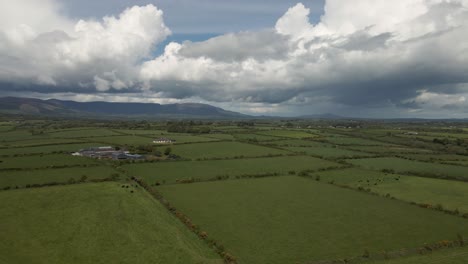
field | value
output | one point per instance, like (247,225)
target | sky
(360,58)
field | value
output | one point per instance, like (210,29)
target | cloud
(353,56)
(100,55)
(363,54)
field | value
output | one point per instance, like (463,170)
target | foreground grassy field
(170,172)
(450,194)
(93,223)
(291,219)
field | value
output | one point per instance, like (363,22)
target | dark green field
(170,172)
(224,150)
(449,194)
(22,178)
(415,167)
(292,219)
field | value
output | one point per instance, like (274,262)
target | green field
(38,142)
(438,157)
(47,149)
(223,150)
(254,137)
(169,172)
(44,161)
(410,166)
(24,177)
(288,133)
(186,138)
(124,140)
(389,149)
(329,152)
(93,223)
(77,133)
(136,132)
(291,219)
(220,136)
(446,256)
(450,194)
(354,141)
(299,143)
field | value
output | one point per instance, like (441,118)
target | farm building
(163,141)
(107,152)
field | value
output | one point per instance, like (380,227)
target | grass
(19,134)
(446,256)
(410,166)
(136,132)
(170,172)
(291,219)
(22,178)
(93,223)
(223,150)
(353,141)
(38,142)
(186,138)
(220,136)
(438,157)
(83,133)
(124,140)
(450,194)
(390,149)
(44,161)
(254,137)
(47,149)
(288,133)
(299,143)
(329,152)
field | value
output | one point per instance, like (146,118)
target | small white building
(163,141)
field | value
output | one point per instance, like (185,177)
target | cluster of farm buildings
(107,152)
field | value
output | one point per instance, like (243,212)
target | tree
(167,151)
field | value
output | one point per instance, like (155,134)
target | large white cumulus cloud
(90,55)
(362,53)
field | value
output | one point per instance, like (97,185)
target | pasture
(240,183)
(22,178)
(170,172)
(44,161)
(83,133)
(224,150)
(329,152)
(413,167)
(447,256)
(351,141)
(46,149)
(94,223)
(254,137)
(291,219)
(288,133)
(449,194)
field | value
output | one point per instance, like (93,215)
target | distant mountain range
(54,107)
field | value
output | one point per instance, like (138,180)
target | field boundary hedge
(218,247)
